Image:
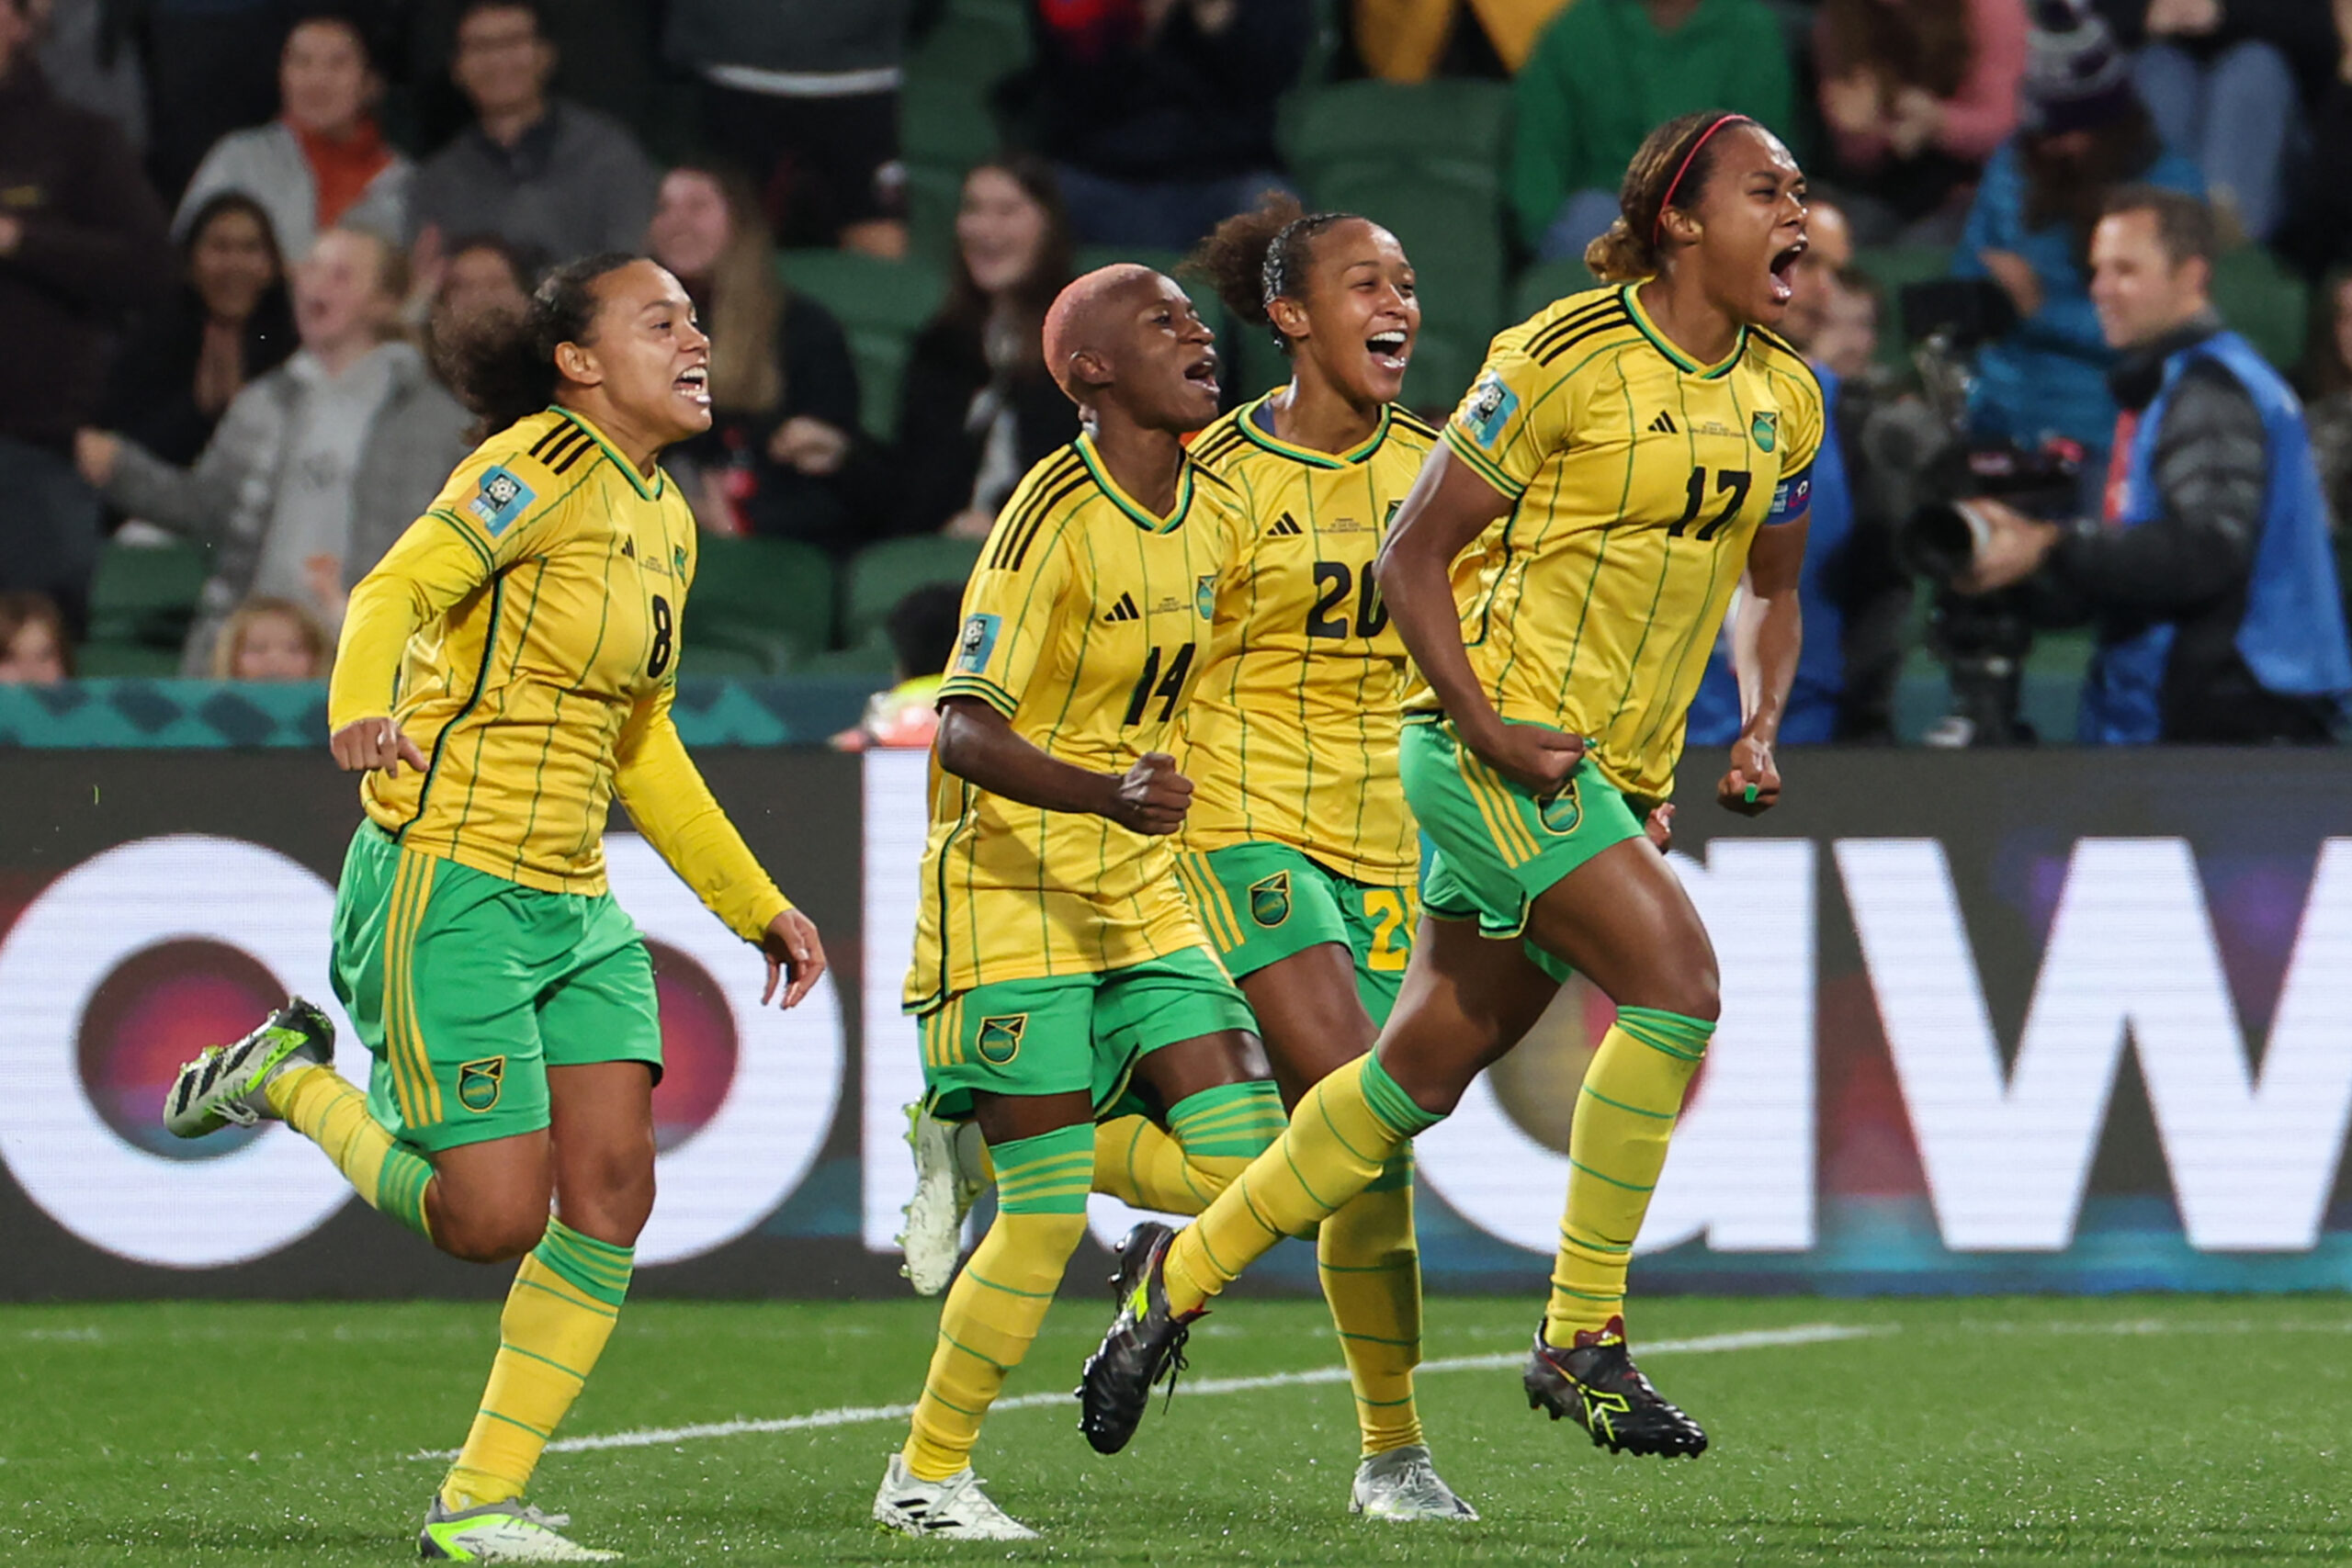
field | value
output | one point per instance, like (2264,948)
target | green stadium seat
(880,575)
(871,657)
(970,47)
(933,193)
(1891,267)
(2264,301)
(145,595)
(715,655)
(1089,257)
(1456,129)
(95,659)
(881,304)
(945,123)
(770,597)
(1453,235)
(1545,281)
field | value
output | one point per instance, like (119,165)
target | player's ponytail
(1669,170)
(502,365)
(1257,257)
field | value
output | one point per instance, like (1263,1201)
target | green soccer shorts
(1489,847)
(467,987)
(1262,902)
(1073,1032)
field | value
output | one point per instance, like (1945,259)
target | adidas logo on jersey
(1125,610)
(1663,424)
(1285,527)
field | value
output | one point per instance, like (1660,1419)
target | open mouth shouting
(1783,265)
(694,384)
(1202,373)
(1388,349)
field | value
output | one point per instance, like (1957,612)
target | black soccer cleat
(1597,1383)
(1146,1343)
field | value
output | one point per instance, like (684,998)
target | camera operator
(2208,577)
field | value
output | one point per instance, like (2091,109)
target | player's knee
(609,1196)
(489,1231)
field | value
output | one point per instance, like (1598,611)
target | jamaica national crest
(1270,899)
(1000,1038)
(479,1083)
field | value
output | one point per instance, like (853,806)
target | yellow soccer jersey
(523,632)
(1086,624)
(1638,480)
(1292,737)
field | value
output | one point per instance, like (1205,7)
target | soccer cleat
(1146,1343)
(224,1084)
(953,1509)
(950,1175)
(1596,1382)
(1403,1485)
(511,1531)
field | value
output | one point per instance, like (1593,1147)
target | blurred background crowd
(233,232)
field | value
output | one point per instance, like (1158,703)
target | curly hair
(1257,257)
(503,366)
(1669,170)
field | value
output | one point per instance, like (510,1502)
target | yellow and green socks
(1211,1137)
(993,1309)
(321,1106)
(1617,1146)
(1345,1133)
(1371,1268)
(566,1298)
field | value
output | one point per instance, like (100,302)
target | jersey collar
(1680,360)
(628,469)
(1258,433)
(1120,499)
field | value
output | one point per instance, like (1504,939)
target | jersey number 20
(1333,582)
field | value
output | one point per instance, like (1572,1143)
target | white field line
(864,1414)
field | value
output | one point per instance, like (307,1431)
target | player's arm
(978,743)
(672,806)
(1767,626)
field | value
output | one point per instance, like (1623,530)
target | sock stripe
(979,1278)
(1632,1109)
(948,1338)
(1300,1177)
(567,1297)
(1387,1101)
(1409,1263)
(560,1254)
(1324,1110)
(509,1347)
(526,1426)
(1600,1176)
(1378,1339)
(1570,1238)
(1559,1290)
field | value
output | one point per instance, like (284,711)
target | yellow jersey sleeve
(675,810)
(1515,415)
(1014,604)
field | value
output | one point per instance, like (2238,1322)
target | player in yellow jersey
(1056,960)
(1299,851)
(1646,446)
(503,672)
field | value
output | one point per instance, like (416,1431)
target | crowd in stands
(235,235)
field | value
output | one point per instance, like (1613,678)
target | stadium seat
(870,657)
(1457,128)
(883,574)
(94,661)
(1892,267)
(772,597)
(881,304)
(2265,301)
(145,595)
(1544,282)
(1089,257)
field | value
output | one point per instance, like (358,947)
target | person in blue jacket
(2208,575)
(2083,131)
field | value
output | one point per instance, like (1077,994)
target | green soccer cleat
(1403,1485)
(511,1531)
(223,1086)
(1146,1343)
(1596,1382)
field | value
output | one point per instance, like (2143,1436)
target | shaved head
(1082,320)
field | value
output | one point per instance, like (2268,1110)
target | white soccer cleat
(1403,1485)
(950,1175)
(511,1532)
(953,1509)
(224,1084)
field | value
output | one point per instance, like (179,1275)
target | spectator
(977,409)
(540,173)
(230,321)
(2083,133)
(211,68)
(776,461)
(1845,343)
(1607,71)
(82,243)
(318,465)
(323,163)
(1160,114)
(2208,578)
(806,93)
(481,273)
(921,628)
(1916,93)
(2220,80)
(34,649)
(1411,40)
(608,52)
(266,639)
(86,54)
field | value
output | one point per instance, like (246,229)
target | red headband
(1657,226)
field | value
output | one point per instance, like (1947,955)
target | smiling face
(324,84)
(502,64)
(1362,314)
(1748,225)
(32,656)
(2139,291)
(1000,229)
(231,264)
(690,230)
(1150,351)
(645,353)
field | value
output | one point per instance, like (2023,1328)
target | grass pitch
(2117,1430)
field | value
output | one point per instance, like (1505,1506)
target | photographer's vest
(2292,636)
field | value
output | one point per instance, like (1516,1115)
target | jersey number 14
(1152,683)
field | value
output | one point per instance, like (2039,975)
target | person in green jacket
(1605,72)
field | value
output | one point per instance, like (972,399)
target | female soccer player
(1055,957)
(505,672)
(1650,443)
(1298,851)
